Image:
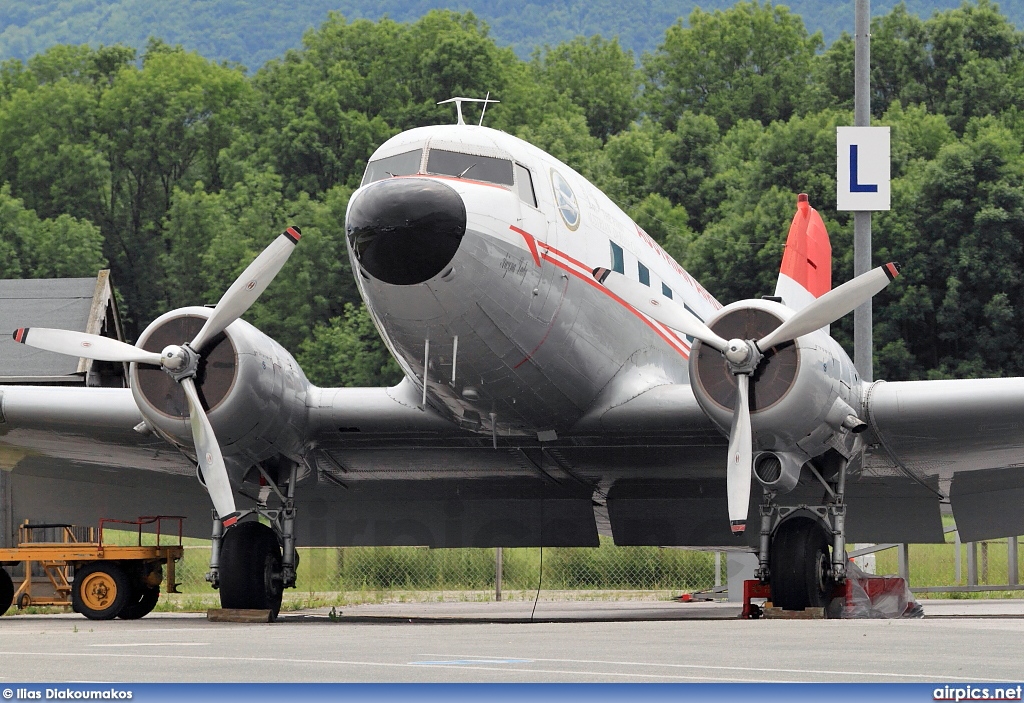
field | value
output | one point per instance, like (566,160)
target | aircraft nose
(405,231)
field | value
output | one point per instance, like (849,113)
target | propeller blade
(89,346)
(211,461)
(832,305)
(740,456)
(248,287)
(667,312)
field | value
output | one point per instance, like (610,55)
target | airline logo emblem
(565,201)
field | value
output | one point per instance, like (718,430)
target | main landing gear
(802,551)
(252,563)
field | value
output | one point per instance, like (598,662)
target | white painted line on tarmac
(339,662)
(930,677)
(155,644)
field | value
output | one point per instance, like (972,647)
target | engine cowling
(252,390)
(796,390)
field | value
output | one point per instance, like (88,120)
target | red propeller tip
(20,334)
(738,528)
(294,234)
(892,270)
(600,274)
(230,520)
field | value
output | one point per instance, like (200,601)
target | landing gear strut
(252,563)
(794,548)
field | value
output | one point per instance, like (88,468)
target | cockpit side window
(404,164)
(470,166)
(524,184)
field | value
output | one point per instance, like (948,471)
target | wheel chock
(239,615)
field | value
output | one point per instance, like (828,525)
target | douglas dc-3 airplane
(564,377)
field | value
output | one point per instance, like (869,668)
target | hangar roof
(79,304)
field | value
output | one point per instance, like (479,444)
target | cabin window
(524,184)
(405,164)
(666,291)
(469,166)
(643,274)
(618,265)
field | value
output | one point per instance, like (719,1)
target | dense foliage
(176,170)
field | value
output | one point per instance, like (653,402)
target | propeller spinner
(182,361)
(743,356)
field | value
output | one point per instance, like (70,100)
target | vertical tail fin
(806,272)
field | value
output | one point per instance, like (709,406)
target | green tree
(751,61)
(348,351)
(63,247)
(597,75)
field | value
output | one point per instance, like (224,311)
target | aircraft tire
(800,565)
(6,591)
(250,568)
(141,603)
(100,590)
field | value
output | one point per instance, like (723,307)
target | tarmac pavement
(612,641)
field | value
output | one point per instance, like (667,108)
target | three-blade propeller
(181,362)
(744,355)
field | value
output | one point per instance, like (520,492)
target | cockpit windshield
(470,166)
(405,164)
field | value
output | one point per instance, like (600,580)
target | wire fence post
(984,562)
(972,564)
(1012,569)
(497,574)
(957,559)
(718,570)
(903,550)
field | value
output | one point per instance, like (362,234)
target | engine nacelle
(253,391)
(803,393)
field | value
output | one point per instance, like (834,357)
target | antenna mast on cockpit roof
(458,105)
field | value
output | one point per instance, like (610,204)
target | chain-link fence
(955,564)
(345,575)
(360,573)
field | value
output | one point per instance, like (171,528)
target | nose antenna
(458,105)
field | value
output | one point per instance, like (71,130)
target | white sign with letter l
(862,168)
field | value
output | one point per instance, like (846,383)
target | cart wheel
(24,601)
(141,603)
(101,590)
(6,591)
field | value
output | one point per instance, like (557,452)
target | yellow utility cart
(109,580)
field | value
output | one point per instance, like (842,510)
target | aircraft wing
(968,434)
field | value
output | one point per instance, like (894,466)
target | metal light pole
(862,220)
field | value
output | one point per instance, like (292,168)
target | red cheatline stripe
(531,242)
(294,234)
(892,270)
(20,333)
(587,275)
(589,280)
